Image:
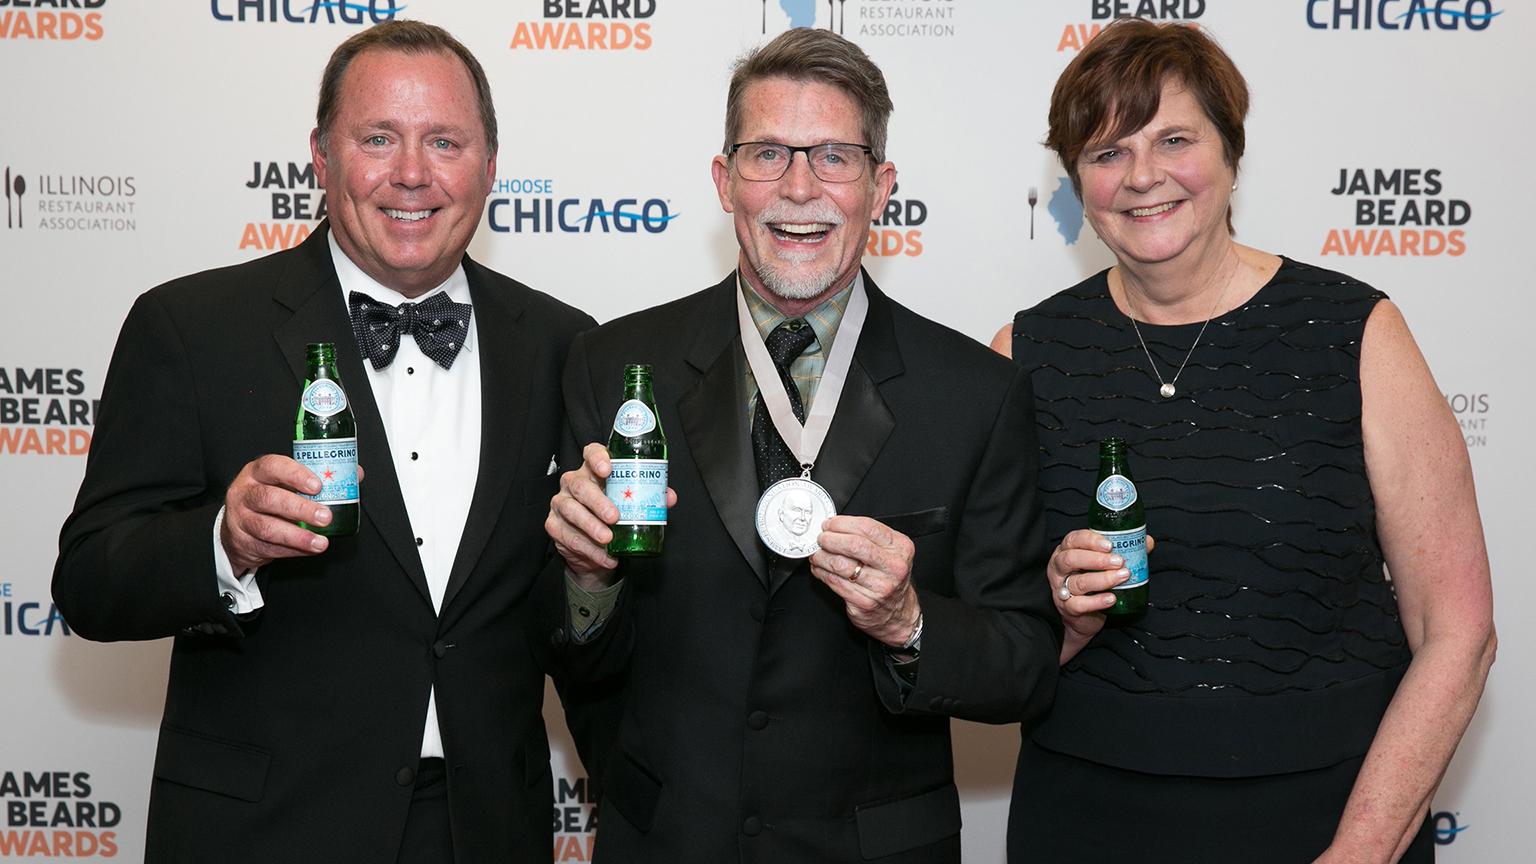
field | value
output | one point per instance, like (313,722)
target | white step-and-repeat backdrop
(144,139)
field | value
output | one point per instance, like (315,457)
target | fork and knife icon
(18,186)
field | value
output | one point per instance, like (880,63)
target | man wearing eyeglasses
(776,707)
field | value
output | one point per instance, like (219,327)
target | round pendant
(789,516)
(1167,391)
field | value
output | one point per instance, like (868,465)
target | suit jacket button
(440,649)
(405,776)
(756,610)
(557,637)
(757,720)
(751,826)
(936,703)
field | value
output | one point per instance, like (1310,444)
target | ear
(316,156)
(720,170)
(490,172)
(885,181)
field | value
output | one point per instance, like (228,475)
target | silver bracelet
(914,641)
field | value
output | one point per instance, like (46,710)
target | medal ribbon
(804,440)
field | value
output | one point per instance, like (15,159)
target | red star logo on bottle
(629,494)
(329,474)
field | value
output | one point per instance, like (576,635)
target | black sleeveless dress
(1230,721)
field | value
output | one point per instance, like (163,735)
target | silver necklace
(1167,389)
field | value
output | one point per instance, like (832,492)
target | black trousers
(428,833)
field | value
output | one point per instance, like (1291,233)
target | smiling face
(1160,193)
(801,238)
(406,169)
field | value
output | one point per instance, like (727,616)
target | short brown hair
(807,54)
(1118,79)
(407,37)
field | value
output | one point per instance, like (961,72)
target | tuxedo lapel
(715,424)
(505,354)
(310,289)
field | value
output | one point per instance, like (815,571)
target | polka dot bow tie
(438,324)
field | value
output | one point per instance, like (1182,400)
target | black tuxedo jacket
(758,724)
(293,735)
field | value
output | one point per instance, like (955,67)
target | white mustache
(820,211)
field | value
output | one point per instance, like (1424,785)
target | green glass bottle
(638,483)
(1116,513)
(325,440)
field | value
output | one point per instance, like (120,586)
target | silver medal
(790,514)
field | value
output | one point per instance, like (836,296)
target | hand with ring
(1082,571)
(869,567)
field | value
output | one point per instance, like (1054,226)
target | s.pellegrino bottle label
(638,487)
(1116,513)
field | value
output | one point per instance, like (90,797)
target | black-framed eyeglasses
(831,163)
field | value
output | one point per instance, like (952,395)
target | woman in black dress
(1282,699)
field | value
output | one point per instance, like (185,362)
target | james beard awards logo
(45,412)
(921,19)
(1421,15)
(1399,211)
(1074,35)
(292,204)
(20,616)
(896,232)
(53,20)
(575,820)
(62,201)
(588,25)
(531,205)
(56,814)
(361,12)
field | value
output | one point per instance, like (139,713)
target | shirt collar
(824,319)
(352,278)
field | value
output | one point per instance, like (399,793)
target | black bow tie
(438,324)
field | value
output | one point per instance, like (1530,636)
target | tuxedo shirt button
(405,776)
(757,720)
(419,541)
(410,370)
(751,826)
(415,455)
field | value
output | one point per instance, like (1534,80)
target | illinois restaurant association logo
(21,615)
(56,813)
(1398,211)
(72,201)
(357,12)
(52,20)
(587,25)
(291,205)
(538,205)
(575,819)
(1075,34)
(1061,205)
(45,411)
(863,19)
(899,230)
(1408,15)
(1473,410)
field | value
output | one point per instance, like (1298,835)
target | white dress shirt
(432,420)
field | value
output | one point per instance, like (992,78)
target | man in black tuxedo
(364,698)
(775,708)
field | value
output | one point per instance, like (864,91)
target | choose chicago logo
(1075,35)
(871,18)
(45,412)
(1401,14)
(532,206)
(1399,211)
(19,22)
(50,201)
(305,11)
(56,814)
(292,203)
(19,617)
(575,820)
(588,25)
